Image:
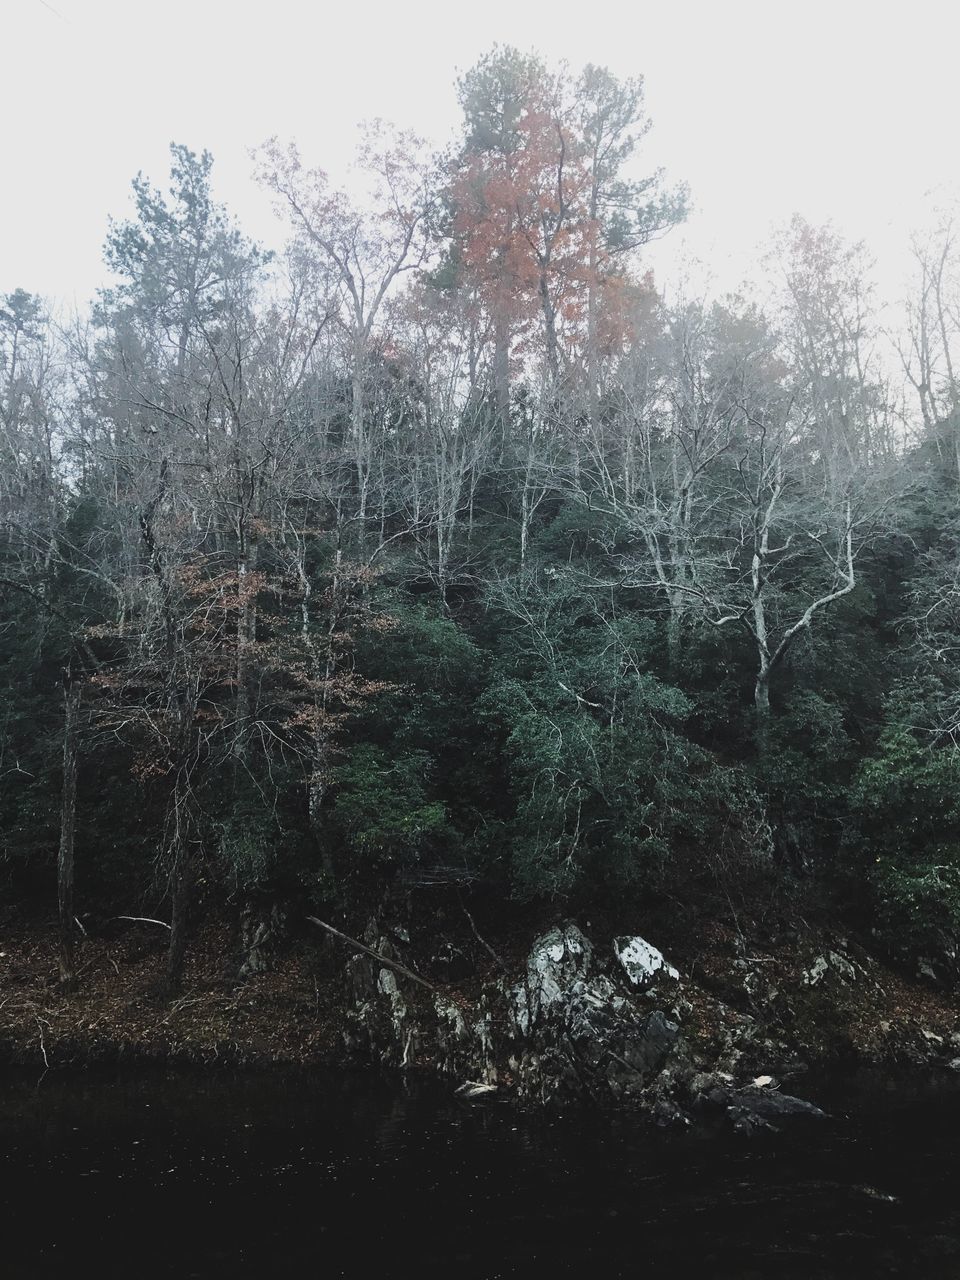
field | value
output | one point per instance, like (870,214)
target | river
(220,1176)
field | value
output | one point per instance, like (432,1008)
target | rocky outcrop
(832,964)
(573,1033)
(262,930)
(749,1107)
(567,1022)
(583,1022)
(580,1024)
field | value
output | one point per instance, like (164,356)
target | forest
(442,551)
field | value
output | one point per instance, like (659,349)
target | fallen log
(382,959)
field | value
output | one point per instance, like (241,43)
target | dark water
(219,1177)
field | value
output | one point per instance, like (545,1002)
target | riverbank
(118,1010)
(546,1014)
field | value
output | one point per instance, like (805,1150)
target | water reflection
(344,1176)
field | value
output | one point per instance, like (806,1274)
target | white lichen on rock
(832,961)
(641,961)
(557,959)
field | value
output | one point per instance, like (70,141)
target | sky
(845,111)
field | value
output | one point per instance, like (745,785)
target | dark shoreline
(319,1009)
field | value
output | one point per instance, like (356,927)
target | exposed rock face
(380,1024)
(574,1034)
(831,963)
(641,962)
(564,1032)
(580,1024)
(262,929)
(472,1089)
(558,960)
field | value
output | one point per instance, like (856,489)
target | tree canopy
(439,549)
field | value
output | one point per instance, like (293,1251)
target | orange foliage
(524,225)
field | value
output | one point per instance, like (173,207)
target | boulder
(557,959)
(642,962)
(770,1103)
(749,1107)
(574,1034)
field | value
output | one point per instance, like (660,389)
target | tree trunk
(360,442)
(674,638)
(593,356)
(320,773)
(761,699)
(180,905)
(501,377)
(68,817)
(246,639)
(316,794)
(761,691)
(550,333)
(180,848)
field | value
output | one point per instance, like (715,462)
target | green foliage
(809,742)
(423,649)
(386,595)
(905,810)
(176,257)
(578,533)
(250,846)
(596,761)
(493,96)
(383,811)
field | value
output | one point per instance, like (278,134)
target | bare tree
(362,251)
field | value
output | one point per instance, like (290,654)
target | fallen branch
(623,1062)
(144,920)
(182,1004)
(362,946)
(43,1044)
(476,933)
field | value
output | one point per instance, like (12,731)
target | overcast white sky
(845,110)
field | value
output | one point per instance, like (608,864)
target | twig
(476,933)
(362,946)
(623,1062)
(43,1047)
(144,920)
(182,1004)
